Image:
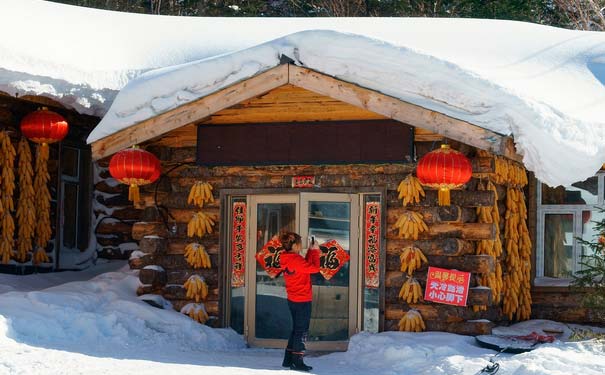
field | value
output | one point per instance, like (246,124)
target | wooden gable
(246,101)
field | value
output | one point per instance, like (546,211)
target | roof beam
(191,112)
(408,113)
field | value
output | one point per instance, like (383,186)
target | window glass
(69,161)
(70,215)
(558,245)
(589,233)
(585,192)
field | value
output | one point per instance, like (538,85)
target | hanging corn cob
(412,322)
(196,311)
(200,224)
(26,213)
(7,223)
(42,201)
(517,298)
(196,256)
(490,214)
(410,190)
(196,288)
(411,259)
(201,192)
(410,224)
(40,256)
(411,291)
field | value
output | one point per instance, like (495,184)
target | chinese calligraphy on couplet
(238,245)
(372,244)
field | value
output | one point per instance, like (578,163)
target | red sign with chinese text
(268,257)
(332,258)
(303,181)
(238,245)
(372,244)
(445,286)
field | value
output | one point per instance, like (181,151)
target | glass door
(326,216)
(333,317)
(268,321)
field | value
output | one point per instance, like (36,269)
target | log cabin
(300,143)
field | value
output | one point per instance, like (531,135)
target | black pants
(301,318)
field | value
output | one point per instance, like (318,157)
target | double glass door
(326,216)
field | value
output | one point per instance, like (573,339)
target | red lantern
(44,126)
(444,169)
(134,167)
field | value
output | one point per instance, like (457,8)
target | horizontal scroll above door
(370,141)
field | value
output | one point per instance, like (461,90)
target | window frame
(575,210)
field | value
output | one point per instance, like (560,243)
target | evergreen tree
(591,277)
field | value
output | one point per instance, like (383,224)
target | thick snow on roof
(542,85)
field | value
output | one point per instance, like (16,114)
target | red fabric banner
(238,245)
(445,286)
(372,244)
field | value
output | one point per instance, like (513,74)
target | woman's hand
(315,246)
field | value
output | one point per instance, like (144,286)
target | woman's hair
(288,239)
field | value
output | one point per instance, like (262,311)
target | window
(564,214)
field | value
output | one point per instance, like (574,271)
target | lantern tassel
(444,197)
(133,193)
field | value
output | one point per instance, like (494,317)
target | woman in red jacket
(297,275)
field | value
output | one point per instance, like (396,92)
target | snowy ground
(98,326)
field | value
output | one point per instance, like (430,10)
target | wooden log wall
(12,111)
(561,304)
(114,215)
(450,242)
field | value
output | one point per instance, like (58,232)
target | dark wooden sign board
(305,143)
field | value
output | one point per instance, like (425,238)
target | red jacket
(297,274)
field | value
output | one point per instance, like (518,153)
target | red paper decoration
(44,126)
(332,258)
(268,257)
(238,245)
(372,244)
(444,169)
(134,167)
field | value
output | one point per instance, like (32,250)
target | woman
(297,275)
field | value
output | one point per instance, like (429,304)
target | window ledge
(546,282)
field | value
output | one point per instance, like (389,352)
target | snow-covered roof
(542,85)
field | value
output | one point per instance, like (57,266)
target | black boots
(287,358)
(298,364)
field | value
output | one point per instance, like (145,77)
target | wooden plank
(423,135)
(153,277)
(142,229)
(462,198)
(467,263)
(446,246)
(476,296)
(191,112)
(466,231)
(405,112)
(469,328)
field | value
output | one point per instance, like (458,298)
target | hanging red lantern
(134,167)
(44,126)
(444,169)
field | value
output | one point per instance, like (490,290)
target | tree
(583,14)
(591,277)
